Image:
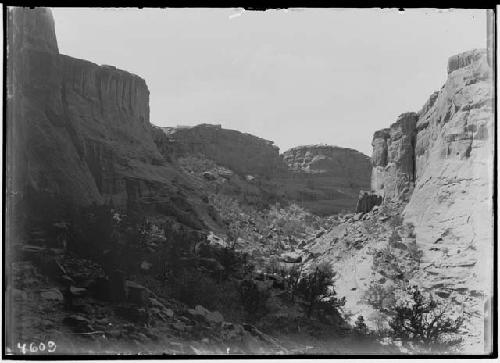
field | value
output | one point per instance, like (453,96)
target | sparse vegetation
(419,319)
(317,291)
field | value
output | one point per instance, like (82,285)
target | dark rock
(117,288)
(133,313)
(136,294)
(291,257)
(52,294)
(366,201)
(78,323)
(209,175)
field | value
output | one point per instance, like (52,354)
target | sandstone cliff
(323,179)
(242,153)
(436,166)
(393,158)
(452,206)
(78,133)
(326,179)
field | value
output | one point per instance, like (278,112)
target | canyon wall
(326,179)
(241,152)
(441,161)
(77,133)
(323,179)
(452,204)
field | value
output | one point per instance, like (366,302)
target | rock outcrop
(366,201)
(441,161)
(78,133)
(323,179)
(326,179)
(393,174)
(243,153)
(452,204)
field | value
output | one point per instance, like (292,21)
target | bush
(253,300)
(360,327)
(421,320)
(379,296)
(394,238)
(396,221)
(317,291)
(92,230)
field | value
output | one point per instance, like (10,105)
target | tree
(253,299)
(422,320)
(360,327)
(317,291)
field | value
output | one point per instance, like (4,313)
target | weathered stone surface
(451,206)
(242,153)
(393,160)
(326,179)
(463,59)
(490,36)
(79,133)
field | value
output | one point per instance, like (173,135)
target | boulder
(52,294)
(291,257)
(209,176)
(78,323)
(211,317)
(367,201)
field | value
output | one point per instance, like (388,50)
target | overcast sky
(295,77)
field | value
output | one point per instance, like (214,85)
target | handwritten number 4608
(34,348)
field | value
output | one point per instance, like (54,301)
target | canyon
(79,134)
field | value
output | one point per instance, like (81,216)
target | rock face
(452,206)
(441,161)
(78,133)
(323,179)
(242,153)
(326,179)
(393,174)
(366,201)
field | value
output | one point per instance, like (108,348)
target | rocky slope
(326,179)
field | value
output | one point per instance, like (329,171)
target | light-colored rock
(451,206)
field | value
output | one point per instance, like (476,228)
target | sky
(296,77)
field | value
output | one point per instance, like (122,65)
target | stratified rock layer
(243,153)
(441,162)
(323,179)
(452,206)
(326,179)
(393,158)
(78,133)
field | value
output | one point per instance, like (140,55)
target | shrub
(394,238)
(396,221)
(421,320)
(253,300)
(292,281)
(317,291)
(380,296)
(360,327)
(92,230)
